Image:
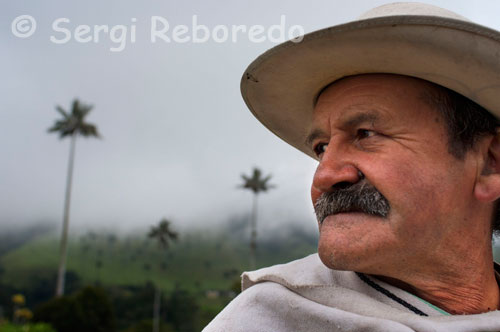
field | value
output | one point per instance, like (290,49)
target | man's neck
(455,293)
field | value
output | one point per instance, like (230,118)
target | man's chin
(336,251)
(345,237)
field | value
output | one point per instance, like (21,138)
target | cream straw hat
(411,39)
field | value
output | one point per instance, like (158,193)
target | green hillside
(198,261)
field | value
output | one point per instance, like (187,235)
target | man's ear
(487,187)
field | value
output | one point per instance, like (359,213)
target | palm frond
(88,129)
(62,112)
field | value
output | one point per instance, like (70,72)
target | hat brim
(281,85)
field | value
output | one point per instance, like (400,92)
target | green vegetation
(38,327)
(87,310)
(197,276)
(199,261)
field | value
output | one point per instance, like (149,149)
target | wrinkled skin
(379,127)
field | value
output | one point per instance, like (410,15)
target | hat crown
(410,9)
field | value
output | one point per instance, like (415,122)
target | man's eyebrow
(314,135)
(359,118)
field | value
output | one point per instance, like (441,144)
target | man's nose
(335,171)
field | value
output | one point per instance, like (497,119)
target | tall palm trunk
(156,310)
(253,234)
(64,235)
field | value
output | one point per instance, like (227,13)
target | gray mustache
(358,197)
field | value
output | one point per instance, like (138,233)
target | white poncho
(304,295)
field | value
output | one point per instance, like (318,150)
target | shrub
(38,327)
(86,310)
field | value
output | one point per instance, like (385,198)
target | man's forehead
(361,96)
(400,82)
(360,92)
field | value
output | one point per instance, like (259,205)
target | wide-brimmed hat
(413,39)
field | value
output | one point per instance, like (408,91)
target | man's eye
(320,148)
(365,133)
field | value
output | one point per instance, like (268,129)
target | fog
(176,134)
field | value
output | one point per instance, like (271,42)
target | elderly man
(399,109)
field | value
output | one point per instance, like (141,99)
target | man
(396,108)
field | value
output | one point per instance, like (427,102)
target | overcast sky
(176,134)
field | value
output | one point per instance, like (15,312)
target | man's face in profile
(383,154)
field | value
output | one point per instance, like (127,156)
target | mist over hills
(15,236)
(199,260)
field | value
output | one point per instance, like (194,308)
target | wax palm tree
(257,184)
(164,235)
(72,124)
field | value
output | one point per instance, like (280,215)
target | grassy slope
(197,262)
